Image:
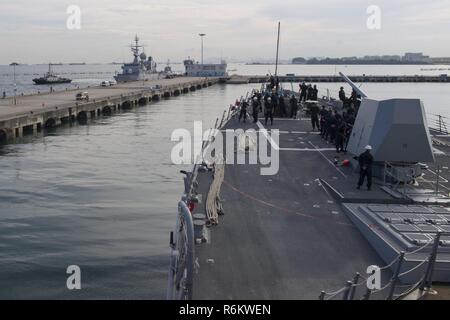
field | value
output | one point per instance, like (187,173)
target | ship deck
(283,236)
(287,236)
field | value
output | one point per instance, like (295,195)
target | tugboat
(141,69)
(51,78)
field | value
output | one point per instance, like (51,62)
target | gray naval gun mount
(410,230)
(398,132)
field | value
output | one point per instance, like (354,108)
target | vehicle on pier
(80,96)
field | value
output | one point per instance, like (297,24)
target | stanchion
(395,278)
(348,287)
(428,278)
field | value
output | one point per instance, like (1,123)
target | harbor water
(103,195)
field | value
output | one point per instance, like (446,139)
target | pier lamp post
(14,64)
(202,35)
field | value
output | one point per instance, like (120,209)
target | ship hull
(138,77)
(43,81)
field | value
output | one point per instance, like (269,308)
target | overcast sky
(34,31)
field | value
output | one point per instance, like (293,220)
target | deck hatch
(418,238)
(405,228)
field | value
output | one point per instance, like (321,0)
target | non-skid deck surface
(283,236)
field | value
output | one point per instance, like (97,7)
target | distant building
(440,60)
(371,58)
(415,57)
(391,58)
(408,59)
(299,60)
(205,70)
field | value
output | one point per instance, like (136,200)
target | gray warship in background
(141,69)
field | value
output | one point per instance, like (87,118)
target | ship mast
(135,48)
(278,49)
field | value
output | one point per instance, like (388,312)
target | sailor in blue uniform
(365,165)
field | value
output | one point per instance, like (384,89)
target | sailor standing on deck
(282,107)
(365,164)
(315,93)
(255,109)
(268,112)
(342,96)
(340,136)
(323,113)
(303,92)
(309,93)
(332,127)
(315,117)
(272,82)
(243,113)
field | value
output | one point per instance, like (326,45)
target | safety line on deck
(281,132)
(305,132)
(281,208)
(329,161)
(307,149)
(442,179)
(285,119)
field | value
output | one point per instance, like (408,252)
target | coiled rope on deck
(214,206)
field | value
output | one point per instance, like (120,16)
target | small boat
(51,78)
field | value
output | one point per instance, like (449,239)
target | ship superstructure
(194,69)
(141,69)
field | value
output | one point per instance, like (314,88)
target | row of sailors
(334,127)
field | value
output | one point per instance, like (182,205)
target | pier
(35,112)
(362,78)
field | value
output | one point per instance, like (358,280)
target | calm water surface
(101,196)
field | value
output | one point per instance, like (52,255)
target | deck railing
(182,239)
(392,290)
(438,123)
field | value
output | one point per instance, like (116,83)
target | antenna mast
(278,48)
(135,47)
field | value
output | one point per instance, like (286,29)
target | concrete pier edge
(35,119)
